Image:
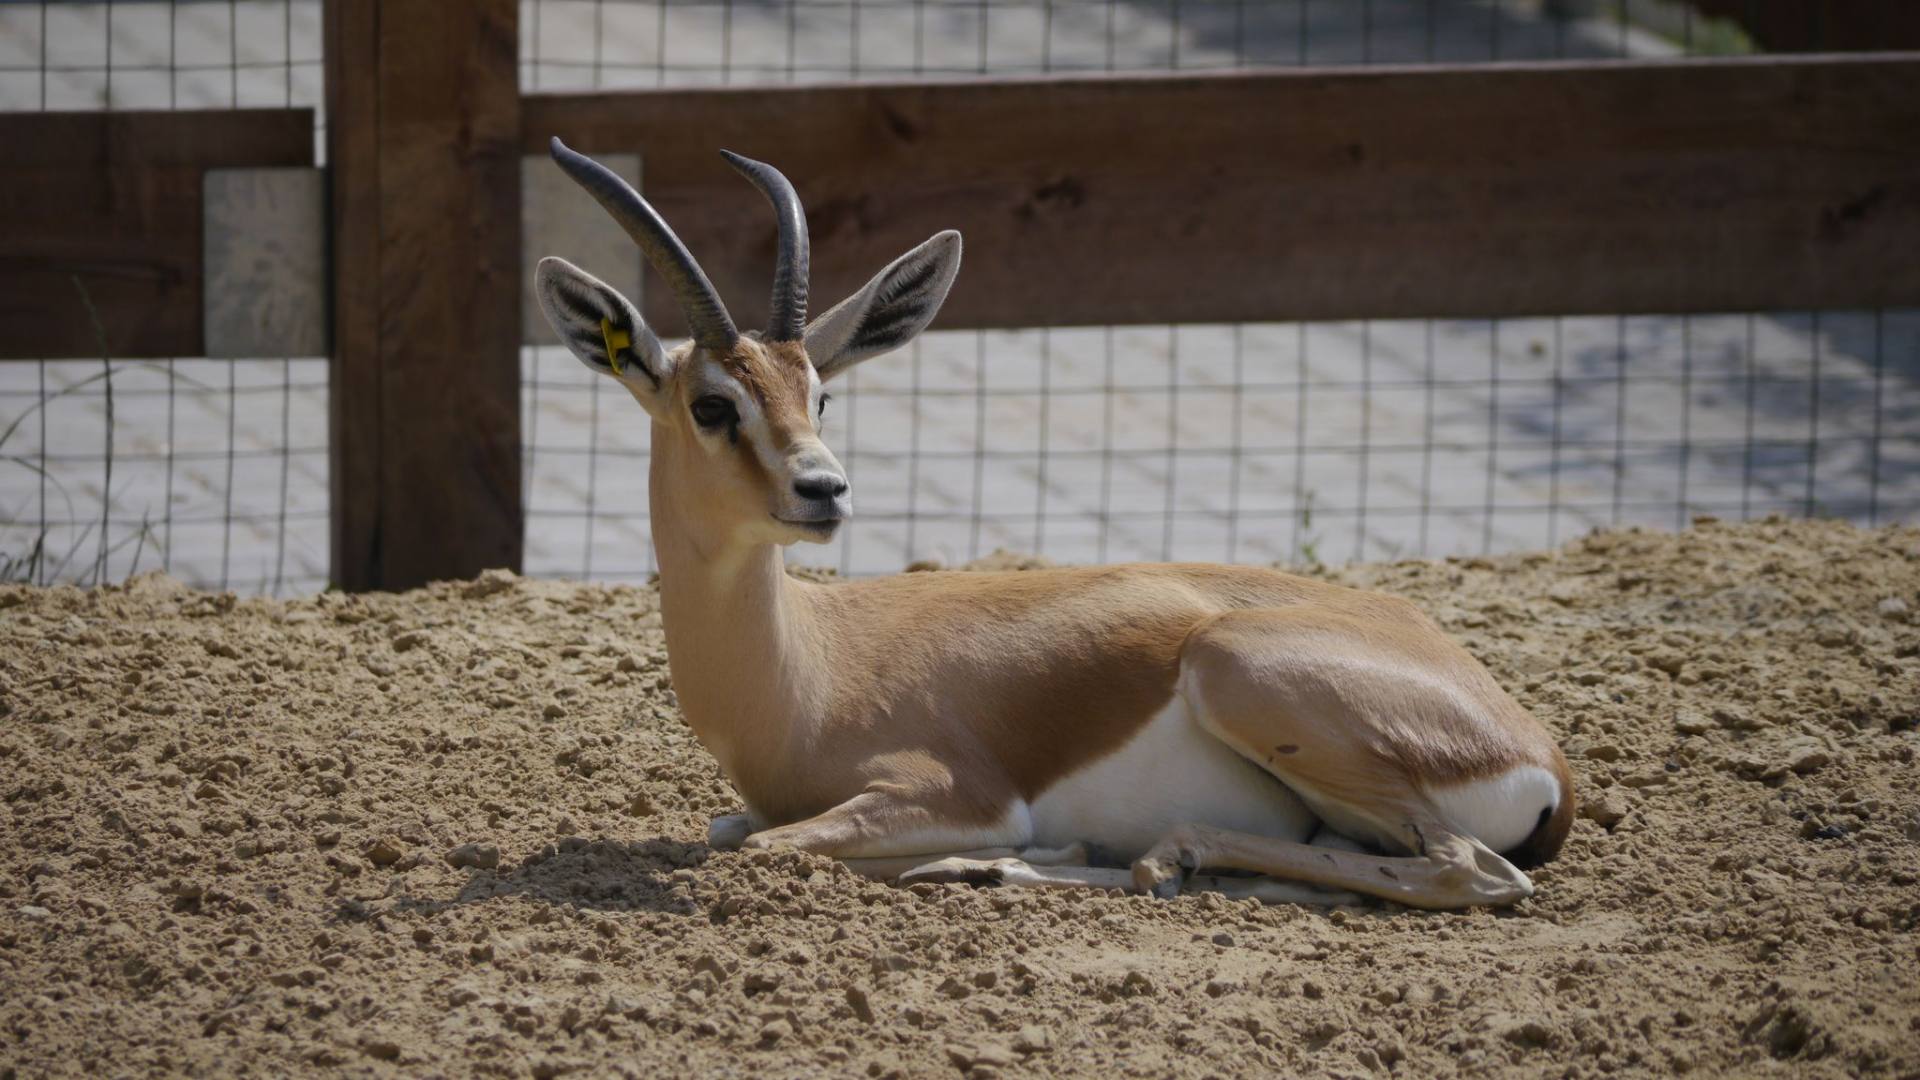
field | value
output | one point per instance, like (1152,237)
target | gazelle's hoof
(1157,877)
(954,871)
(729,832)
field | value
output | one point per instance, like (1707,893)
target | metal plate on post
(558,218)
(265,243)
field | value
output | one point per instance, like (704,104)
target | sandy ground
(457,832)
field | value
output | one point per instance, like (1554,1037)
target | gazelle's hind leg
(1022,873)
(1453,872)
(1365,716)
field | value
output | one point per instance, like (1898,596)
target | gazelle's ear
(601,327)
(894,307)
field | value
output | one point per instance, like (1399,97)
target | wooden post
(423,125)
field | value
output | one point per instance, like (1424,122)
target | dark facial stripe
(775,374)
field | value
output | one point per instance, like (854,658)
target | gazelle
(992,727)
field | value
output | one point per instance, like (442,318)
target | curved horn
(788,318)
(706,316)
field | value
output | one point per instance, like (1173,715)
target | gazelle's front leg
(729,832)
(877,824)
(980,866)
(1036,868)
(884,836)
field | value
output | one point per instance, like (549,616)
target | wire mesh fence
(576,44)
(1255,442)
(214,470)
(1300,443)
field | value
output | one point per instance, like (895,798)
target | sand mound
(457,830)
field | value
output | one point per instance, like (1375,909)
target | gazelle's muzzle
(818,497)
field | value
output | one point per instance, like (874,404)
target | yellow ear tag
(615,340)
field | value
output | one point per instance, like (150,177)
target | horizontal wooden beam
(1502,190)
(1829,26)
(112,200)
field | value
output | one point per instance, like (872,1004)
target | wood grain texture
(425,377)
(114,200)
(1507,190)
(1828,26)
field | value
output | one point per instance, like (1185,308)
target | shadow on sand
(597,875)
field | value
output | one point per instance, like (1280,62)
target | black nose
(824,486)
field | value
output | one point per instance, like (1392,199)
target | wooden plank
(1830,26)
(423,144)
(113,199)
(1523,189)
(556,215)
(265,263)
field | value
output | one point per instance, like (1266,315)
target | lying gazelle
(991,727)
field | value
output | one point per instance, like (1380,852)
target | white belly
(1171,773)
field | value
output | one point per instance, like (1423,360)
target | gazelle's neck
(738,631)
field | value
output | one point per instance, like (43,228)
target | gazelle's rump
(1500,811)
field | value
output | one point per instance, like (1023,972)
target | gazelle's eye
(824,398)
(714,411)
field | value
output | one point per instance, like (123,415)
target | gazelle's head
(737,415)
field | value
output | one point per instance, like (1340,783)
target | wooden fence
(1485,191)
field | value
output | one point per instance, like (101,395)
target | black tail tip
(1543,843)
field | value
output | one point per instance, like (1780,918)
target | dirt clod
(857,1000)
(773,1031)
(1807,756)
(1033,1039)
(1604,808)
(477,856)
